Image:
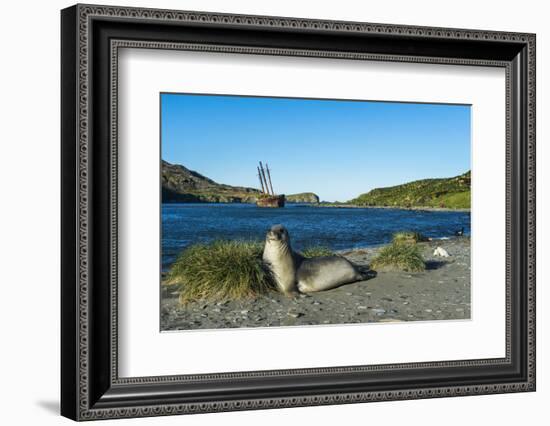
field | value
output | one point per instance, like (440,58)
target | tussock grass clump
(317,251)
(399,256)
(407,237)
(220,271)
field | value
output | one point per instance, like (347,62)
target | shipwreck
(268,198)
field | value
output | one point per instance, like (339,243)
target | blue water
(336,228)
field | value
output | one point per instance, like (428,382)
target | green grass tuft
(317,251)
(407,237)
(398,256)
(220,271)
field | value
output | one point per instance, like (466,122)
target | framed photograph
(263,212)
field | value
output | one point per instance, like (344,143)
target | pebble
(378,311)
(295,314)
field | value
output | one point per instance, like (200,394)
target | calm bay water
(336,228)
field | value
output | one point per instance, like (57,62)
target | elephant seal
(293,272)
(280,258)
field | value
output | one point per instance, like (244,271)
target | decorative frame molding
(91,388)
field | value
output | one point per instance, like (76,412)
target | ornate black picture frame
(91,36)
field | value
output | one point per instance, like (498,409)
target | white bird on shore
(440,251)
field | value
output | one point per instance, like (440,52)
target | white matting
(144,351)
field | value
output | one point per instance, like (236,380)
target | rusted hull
(272,202)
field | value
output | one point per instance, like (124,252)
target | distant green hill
(451,193)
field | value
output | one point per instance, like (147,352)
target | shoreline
(441,292)
(379,246)
(375,246)
(335,206)
(414,208)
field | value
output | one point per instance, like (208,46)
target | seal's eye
(274,235)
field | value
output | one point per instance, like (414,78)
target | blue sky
(337,149)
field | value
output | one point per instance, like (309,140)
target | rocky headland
(181,185)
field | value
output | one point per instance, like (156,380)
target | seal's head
(278,235)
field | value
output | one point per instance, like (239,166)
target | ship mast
(263,175)
(261,181)
(269,177)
